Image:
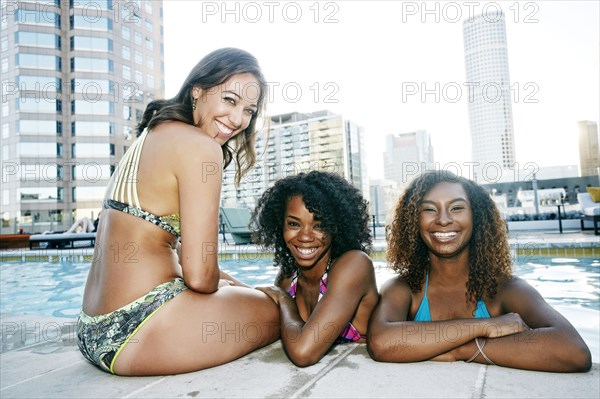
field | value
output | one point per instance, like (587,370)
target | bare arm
(306,342)
(392,338)
(552,343)
(198,169)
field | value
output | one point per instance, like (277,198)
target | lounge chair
(236,222)
(590,210)
(61,240)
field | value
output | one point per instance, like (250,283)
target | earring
(193,104)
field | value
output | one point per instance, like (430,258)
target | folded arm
(307,342)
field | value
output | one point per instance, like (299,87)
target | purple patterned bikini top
(350,333)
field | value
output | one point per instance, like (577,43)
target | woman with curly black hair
(455,291)
(317,223)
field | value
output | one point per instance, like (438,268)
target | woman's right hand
(507,324)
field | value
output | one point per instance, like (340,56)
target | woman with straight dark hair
(156,301)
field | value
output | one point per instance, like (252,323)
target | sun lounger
(590,210)
(236,222)
(61,240)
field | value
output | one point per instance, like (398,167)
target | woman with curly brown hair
(317,223)
(455,294)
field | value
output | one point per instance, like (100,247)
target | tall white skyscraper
(76,78)
(490,105)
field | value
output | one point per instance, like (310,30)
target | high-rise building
(589,149)
(406,155)
(384,196)
(490,107)
(301,142)
(76,78)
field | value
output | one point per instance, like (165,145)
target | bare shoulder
(515,293)
(355,259)
(395,286)
(515,286)
(186,139)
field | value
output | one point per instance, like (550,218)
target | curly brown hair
(339,206)
(489,254)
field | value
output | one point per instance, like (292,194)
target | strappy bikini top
(350,333)
(423,313)
(123,196)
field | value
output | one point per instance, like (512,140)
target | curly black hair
(340,207)
(489,253)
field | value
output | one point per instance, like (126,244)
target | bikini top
(350,333)
(423,313)
(123,196)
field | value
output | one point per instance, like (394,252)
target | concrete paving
(39,359)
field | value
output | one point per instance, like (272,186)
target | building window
(38,61)
(91,150)
(87,23)
(40,127)
(37,39)
(37,16)
(91,65)
(149,62)
(126,72)
(88,43)
(88,128)
(35,105)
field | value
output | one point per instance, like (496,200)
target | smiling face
(226,110)
(303,235)
(446,220)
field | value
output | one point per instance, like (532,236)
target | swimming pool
(572,286)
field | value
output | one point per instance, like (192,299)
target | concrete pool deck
(39,357)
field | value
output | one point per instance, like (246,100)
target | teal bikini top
(423,313)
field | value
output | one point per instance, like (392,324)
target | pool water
(572,286)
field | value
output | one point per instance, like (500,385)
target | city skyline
(396,67)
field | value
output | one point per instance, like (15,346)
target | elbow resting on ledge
(303,358)
(580,360)
(378,351)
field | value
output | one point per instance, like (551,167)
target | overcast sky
(372,60)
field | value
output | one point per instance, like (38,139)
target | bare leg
(195,331)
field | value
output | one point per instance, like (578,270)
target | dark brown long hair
(489,253)
(213,70)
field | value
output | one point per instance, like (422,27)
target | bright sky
(382,63)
